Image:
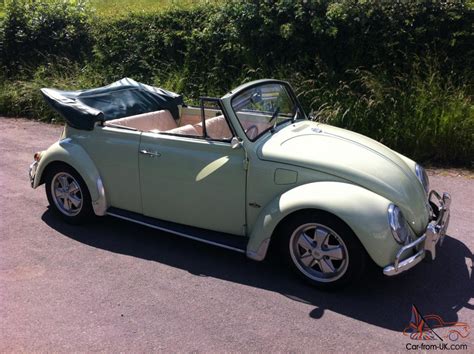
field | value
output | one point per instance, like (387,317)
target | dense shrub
(266,34)
(34,31)
(142,45)
(398,71)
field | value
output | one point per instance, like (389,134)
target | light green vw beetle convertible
(247,172)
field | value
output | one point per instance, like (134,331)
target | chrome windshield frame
(290,93)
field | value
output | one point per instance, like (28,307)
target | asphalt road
(116,286)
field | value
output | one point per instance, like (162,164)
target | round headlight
(422,177)
(398,224)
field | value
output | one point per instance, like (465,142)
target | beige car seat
(217,128)
(153,121)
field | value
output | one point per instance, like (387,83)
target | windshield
(263,107)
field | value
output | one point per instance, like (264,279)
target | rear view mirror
(256,96)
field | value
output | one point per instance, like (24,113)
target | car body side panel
(363,211)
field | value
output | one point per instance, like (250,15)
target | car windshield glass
(262,107)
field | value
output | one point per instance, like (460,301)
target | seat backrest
(216,128)
(187,118)
(159,121)
(184,130)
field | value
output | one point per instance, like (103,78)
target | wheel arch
(50,166)
(74,156)
(364,212)
(304,211)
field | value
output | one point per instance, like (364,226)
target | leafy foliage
(398,71)
(33,31)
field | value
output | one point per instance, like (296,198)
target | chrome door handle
(150,153)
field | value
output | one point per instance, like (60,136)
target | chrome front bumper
(32,172)
(426,244)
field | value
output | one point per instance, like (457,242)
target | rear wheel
(68,195)
(321,249)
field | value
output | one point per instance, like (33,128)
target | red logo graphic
(422,327)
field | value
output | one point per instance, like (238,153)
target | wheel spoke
(58,192)
(326,266)
(75,201)
(73,187)
(66,203)
(305,242)
(334,253)
(320,236)
(307,259)
(63,181)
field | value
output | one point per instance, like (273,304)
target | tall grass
(21,97)
(421,113)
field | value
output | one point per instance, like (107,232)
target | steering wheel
(252,131)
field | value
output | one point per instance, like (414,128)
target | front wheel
(322,249)
(67,194)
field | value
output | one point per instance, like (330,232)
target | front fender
(68,152)
(362,210)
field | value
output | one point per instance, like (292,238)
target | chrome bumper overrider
(32,172)
(435,232)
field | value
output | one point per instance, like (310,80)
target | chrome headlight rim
(398,224)
(422,177)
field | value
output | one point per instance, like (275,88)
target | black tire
(340,242)
(76,215)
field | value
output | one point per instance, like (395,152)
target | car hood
(353,157)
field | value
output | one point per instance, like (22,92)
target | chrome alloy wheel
(66,193)
(319,252)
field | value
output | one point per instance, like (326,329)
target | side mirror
(313,116)
(235,143)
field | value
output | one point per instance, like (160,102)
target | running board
(228,241)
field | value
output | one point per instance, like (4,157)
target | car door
(193,181)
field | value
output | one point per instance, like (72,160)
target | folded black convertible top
(126,97)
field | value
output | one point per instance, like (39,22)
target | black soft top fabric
(126,97)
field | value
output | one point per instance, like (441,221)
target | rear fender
(72,154)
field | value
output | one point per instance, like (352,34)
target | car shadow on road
(443,287)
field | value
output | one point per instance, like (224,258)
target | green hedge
(217,44)
(34,31)
(399,71)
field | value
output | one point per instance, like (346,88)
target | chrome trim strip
(176,232)
(100,205)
